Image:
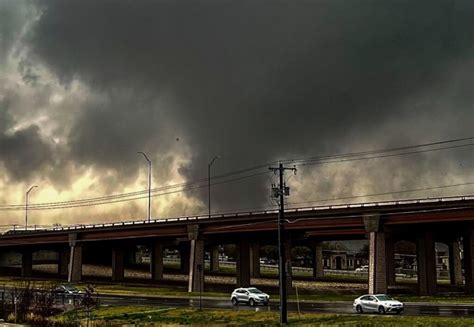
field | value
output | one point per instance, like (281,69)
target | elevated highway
(423,221)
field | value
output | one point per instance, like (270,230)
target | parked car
(381,303)
(66,289)
(252,296)
(362,269)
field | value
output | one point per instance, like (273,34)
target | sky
(85,85)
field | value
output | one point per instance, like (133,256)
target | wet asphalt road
(410,309)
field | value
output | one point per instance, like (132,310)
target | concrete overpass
(422,221)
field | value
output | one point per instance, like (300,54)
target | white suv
(251,295)
(362,269)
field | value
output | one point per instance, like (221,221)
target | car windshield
(70,288)
(384,298)
(255,291)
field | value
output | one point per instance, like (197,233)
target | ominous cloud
(255,81)
(23,151)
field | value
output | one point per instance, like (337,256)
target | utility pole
(280,192)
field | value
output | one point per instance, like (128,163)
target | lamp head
(214,159)
(144,154)
(31,188)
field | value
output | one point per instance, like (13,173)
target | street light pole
(26,205)
(149,184)
(209,182)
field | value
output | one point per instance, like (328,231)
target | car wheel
(381,310)
(234,301)
(359,309)
(251,302)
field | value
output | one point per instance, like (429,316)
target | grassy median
(172,316)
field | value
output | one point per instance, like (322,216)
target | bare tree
(23,295)
(89,301)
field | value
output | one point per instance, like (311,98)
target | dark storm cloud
(6,120)
(255,80)
(23,152)
(111,130)
(10,26)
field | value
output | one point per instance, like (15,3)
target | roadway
(413,309)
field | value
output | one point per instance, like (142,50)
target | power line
(319,162)
(352,154)
(67,206)
(196,183)
(131,194)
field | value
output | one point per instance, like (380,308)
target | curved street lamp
(209,182)
(149,183)
(26,205)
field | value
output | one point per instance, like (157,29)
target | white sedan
(381,303)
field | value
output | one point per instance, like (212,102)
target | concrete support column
(215,259)
(318,264)
(156,261)
(377,264)
(243,263)
(26,263)
(75,260)
(468,246)
(390,259)
(196,271)
(196,260)
(255,260)
(75,264)
(184,255)
(426,259)
(63,262)
(455,268)
(118,267)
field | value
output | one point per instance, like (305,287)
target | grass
(150,290)
(187,316)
